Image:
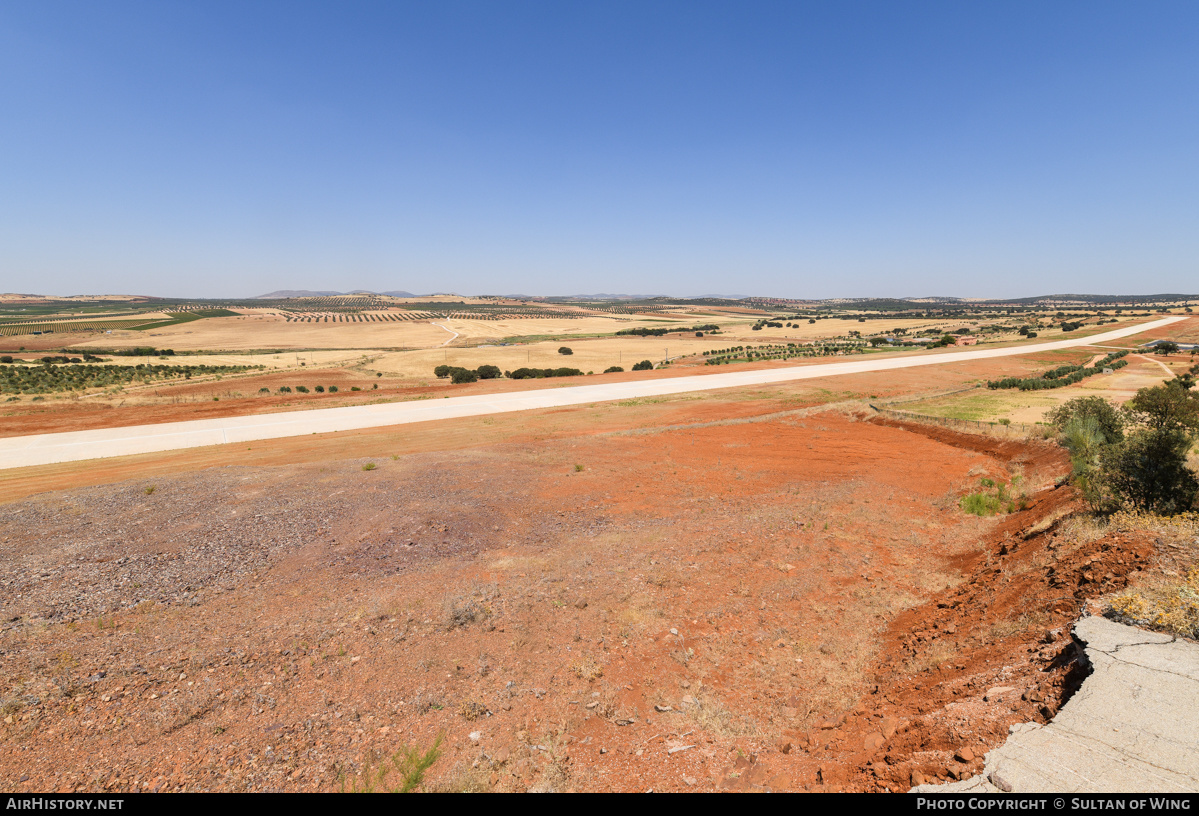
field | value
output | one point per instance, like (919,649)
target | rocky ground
(789,603)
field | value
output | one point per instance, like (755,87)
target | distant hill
(295,293)
(299,293)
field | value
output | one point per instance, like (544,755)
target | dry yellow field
(594,354)
(266,329)
(1030,407)
(261,330)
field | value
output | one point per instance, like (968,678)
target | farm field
(401,376)
(1030,407)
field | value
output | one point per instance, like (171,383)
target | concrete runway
(44,449)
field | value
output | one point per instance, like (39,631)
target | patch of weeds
(578,468)
(402,772)
(1171,607)
(1006,628)
(369,466)
(994,498)
(469,608)
(150,490)
(462,779)
(711,715)
(466,611)
(684,656)
(472,710)
(587,669)
(938,652)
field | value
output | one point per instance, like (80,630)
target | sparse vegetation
(994,498)
(401,772)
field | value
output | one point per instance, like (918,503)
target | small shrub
(587,670)
(613,370)
(564,350)
(355,388)
(264,390)
(644,365)
(320,389)
(408,763)
(578,468)
(333,389)
(463,375)
(472,710)
(303,389)
(369,466)
(463,612)
(149,490)
(285,389)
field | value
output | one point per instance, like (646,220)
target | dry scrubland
(567,613)
(765,588)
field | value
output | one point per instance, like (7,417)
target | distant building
(967,340)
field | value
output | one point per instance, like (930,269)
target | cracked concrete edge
(1129,728)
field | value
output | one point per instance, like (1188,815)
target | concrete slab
(1133,726)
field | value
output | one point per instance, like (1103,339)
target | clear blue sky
(790,149)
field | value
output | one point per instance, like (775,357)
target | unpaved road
(42,449)
(451,331)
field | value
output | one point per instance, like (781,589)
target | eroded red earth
(792,602)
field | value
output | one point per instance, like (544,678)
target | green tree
(1107,417)
(1148,471)
(1165,407)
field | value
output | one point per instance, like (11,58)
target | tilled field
(792,603)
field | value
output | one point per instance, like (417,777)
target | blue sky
(791,149)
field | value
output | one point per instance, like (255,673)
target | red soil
(791,603)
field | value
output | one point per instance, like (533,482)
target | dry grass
(462,778)
(1169,606)
(585,668)
(936,653)
(1166,597)
(711,715)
